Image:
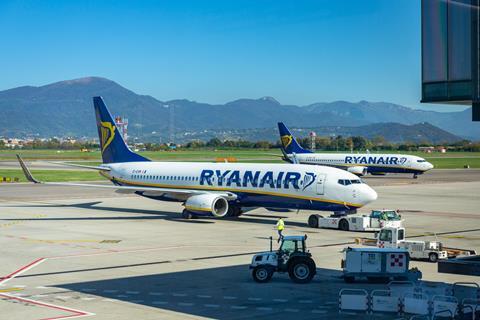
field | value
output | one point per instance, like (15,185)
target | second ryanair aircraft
(359,164)
(221,189)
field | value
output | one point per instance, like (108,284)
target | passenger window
(401,234)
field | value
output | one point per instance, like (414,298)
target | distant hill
(393,132)
(65,108)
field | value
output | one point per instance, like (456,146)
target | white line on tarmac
(132,292)
(87,298)
(305,301)
(179,294)
(239,307)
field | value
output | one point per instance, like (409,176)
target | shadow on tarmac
(156,215)
(224,293)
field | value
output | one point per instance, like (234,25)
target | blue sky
(299,52)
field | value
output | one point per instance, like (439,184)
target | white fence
(353,299)
(415,301)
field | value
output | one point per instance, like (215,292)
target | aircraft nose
(429,166)
(369,195)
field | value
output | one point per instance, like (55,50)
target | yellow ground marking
(15,222)
(11,289)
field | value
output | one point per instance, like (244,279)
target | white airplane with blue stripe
(221,189)
(357,163)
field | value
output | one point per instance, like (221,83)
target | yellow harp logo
(286,140)
(107,131)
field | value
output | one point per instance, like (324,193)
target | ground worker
(280,227)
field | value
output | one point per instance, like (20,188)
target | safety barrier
(353,299)
(384,301)
(400,288)
(442,304)
(416,303)
(407,298)
(460,287)
(471,306)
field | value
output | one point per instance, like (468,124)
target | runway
(95,253)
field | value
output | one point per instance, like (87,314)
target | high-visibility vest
(280,225)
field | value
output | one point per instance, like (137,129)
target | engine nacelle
(207,205)
(358,170)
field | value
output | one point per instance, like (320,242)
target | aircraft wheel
(234,211)
(313,221)
(186,214)
(415,176)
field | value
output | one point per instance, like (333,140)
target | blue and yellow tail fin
(113,147)
(289,143)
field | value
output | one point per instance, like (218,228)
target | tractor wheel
(301,269)
(433,257)
(262,274)
(313,221)
(343,225)
(187,214)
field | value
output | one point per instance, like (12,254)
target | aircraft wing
(154,191)
(81,166)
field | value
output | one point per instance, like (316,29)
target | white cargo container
(377,264)
(377,220)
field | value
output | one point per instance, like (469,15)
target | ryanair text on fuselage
(375,160)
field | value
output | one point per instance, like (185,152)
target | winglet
(26,171)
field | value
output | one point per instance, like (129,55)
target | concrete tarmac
(74,251)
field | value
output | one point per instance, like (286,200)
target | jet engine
(207,205)
(358,170)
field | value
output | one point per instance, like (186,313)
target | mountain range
(65,109)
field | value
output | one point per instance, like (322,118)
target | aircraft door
(321,184)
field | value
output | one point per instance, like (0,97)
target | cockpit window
(421,161)
(346,182)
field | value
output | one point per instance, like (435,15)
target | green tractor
(292,257)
